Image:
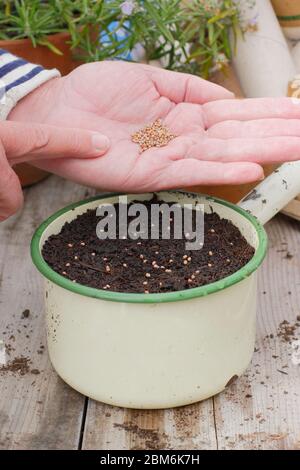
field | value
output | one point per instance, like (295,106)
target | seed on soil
(152,135)
(82,243)
(145,283)
(64,273)
(210,253)
(175,264)
(93,254)
(212,230)
(70,245)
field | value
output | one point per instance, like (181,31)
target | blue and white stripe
(17,79)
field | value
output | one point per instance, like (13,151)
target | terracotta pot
(288,14)
(44,56)
(228,79)
(232,193)
(29,175)
(287,11)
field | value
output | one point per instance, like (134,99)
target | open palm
(219,139)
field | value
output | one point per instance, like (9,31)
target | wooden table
(39,411)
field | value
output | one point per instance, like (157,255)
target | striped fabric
(17,79)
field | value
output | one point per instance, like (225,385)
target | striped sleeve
(17,79)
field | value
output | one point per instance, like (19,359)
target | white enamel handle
(274,193)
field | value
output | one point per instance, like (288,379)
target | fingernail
(100,142)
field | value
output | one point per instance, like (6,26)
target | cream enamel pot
(160,350)
(152,350)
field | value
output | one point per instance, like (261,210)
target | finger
(184,118)
(255,129)
(182,87)
(260,150)
(11,196)
(251,108)
(192,172)
(24,142)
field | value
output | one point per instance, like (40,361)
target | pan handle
(274,193)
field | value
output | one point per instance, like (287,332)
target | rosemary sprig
(190,36)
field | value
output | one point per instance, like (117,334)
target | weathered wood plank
(37,410)
(262,409)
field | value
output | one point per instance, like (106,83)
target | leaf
(47,43)
(159,22)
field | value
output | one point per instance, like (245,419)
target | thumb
(11,196)
(26,142)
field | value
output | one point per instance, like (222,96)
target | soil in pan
(145,266)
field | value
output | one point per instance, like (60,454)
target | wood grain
(190,427)
(262,409)
(38,411)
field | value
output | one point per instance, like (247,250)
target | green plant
(189,35)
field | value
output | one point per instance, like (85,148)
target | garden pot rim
(187,294)
(24,41)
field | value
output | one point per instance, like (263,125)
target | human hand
(220,140)
(22,142)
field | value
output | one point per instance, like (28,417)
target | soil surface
(145,266)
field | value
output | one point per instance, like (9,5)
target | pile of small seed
(153,135)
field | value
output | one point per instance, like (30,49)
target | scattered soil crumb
(151,436)
(19,365)
(287,331)
(25,313)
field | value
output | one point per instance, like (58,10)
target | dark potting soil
(145,266)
